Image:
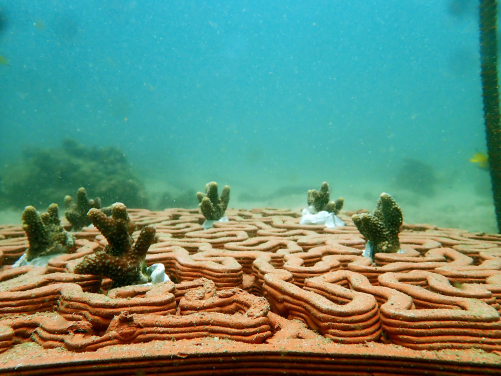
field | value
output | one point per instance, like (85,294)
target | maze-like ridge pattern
(259,279)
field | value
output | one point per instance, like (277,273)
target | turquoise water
(256,94)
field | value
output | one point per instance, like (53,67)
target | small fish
(3,60)
(481,159)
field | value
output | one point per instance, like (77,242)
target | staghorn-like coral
(45,234)
(76,213)
(320,200)
(121,260)
(211,205)
(381,227)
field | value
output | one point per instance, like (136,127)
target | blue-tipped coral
(211,205)
(121,260)
(76,213)
(321,210)
(45,234)
(382,227)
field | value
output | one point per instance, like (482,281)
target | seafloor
(260,294)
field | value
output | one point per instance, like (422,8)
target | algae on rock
(46,175)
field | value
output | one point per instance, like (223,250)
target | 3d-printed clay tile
(14,241)
(258,220)
(88,233)
(228,301)
(288,329)
(496,238)
(193,217)
(250,229)
(191,245)
(419,244)
(59,263)
(35,300)
(342,230)
(178,212)
(493,284)
(277,247)
(99,309)
(466,323)
(226,272)
(145,328)
(449,256)
(284,233)
(178,230)
(204,312)
(13,248)
(152,218)
(202,287)
(306,265)
(472,249)
(341,314)
(294,225)
(218,237)
(441,285)
(35,291)
(261,267)
(244,258)
(353,242)
(272,212)
(411,255)
(28,277)
(459,277)
(12,231)
(257,264)
(178,221)
(24,324)
(489,263)
(6,338)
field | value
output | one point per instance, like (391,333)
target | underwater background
(272,98)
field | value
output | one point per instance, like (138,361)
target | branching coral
(211,205)
(76,213)
(381,227)
(121,260)
(320,200)
(45,234)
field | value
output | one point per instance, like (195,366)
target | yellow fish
(3,60)
(481,159)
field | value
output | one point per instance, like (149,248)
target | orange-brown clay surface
(260,294)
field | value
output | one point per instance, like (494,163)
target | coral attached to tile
(45,234)
(121,260)
(211,205)
(381,227)
(76,213)
(320,200)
